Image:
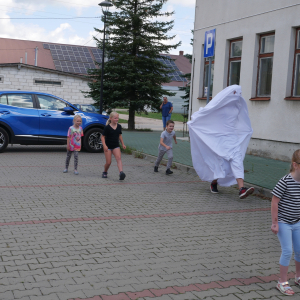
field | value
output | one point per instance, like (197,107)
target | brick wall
(11,78)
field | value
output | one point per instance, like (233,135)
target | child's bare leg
(240,182)
(283,273)
(108,160)
(117,154)
(283,277)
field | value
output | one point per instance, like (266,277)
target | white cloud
(64,33)
(78,5)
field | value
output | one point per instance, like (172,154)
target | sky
(27,20)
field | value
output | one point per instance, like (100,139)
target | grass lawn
(122,121)
(152,115)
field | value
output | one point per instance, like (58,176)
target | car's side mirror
(68,109)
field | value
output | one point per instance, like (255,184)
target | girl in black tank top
(111,136)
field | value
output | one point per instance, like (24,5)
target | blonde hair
(295,158)
(111,115)
(77,117)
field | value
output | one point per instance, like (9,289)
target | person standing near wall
(166,110)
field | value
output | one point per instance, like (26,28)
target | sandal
(297,280)
(284,287)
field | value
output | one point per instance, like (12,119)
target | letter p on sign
(209,43)
(209,40)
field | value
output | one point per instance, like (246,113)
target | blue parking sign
(209,43)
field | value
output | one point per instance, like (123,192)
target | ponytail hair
(111,115)
(296,159)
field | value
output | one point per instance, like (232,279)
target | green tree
(189,57)
(133,74)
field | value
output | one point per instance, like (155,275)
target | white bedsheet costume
(219,135)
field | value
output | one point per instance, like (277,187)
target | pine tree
(133,74)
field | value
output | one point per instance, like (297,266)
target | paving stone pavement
(151,236)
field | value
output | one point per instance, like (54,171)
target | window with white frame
(235,56)
(205,83)
(265,65)
(296,74)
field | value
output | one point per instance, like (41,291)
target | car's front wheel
(3,139)
(92,140)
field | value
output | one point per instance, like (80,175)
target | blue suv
(33,118)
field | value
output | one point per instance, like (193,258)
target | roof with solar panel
(77,59)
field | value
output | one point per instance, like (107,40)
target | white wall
(274,120)
(23,79)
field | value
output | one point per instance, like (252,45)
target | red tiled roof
(182,63)
(12,50)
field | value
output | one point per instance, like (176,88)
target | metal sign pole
(208,80)
(209,52)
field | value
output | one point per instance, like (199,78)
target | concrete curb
(259,191)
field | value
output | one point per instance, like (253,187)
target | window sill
(204,98)
(260,99)
(292,98)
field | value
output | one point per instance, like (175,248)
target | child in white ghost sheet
(165,146)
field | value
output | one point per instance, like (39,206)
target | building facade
(31,78)
(258,47)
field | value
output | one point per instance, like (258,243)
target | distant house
(60,69)
(184,67)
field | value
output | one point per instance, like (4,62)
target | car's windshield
(88,108)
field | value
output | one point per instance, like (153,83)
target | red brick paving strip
(229,283)
(166,291)
(121,296)
(145,293)
(134,216)
(188,288)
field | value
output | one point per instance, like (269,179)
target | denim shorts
(113,149)
(166,119)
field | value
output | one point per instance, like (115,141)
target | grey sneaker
(65,171)
(76,172)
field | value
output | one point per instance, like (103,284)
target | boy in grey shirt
(165,145)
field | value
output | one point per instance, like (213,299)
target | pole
(36,55)
(102,67)
(208,80)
